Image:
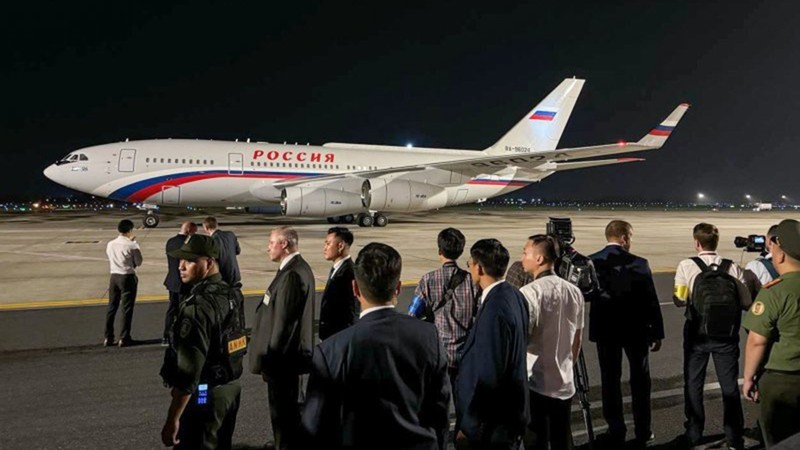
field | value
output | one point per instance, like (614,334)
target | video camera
(579,271)
(754,243)
(571,265)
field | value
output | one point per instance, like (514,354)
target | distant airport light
(409,145)
(747,196)
(700,195)
(783,197)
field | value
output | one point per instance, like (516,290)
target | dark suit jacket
(381,383)
(339,307)
(228,246)
(492,385)
(626,307)
(173,281)
(282,335)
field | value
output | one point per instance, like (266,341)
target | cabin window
(162,160)
(212,162)
(169,160)
(147,160)
(205,162)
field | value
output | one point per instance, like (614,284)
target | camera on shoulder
(754,243)
(572,266)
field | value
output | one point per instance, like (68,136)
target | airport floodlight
(409,145)
(747,196)
(700,195)
(783,197)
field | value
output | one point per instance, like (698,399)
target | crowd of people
(499,343)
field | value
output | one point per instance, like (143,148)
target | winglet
(658,135)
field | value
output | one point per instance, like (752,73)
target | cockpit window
(72,157)
(83,157)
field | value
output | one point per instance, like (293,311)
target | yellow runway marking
(48,304)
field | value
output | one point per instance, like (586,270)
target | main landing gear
(150,220)
(363,219)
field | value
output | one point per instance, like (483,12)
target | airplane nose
(50,171)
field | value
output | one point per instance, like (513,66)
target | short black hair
(773,231)
(491,255)
(377,270)
(451,243)
(125,226)
(342,233)
(548,246)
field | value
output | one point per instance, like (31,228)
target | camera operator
(556,312)
(761,270)
(625,316)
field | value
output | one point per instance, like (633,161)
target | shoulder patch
(772,283)
(758,308)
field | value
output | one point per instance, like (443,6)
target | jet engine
(319,202)
(404,195)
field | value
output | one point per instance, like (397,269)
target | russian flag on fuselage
(541,114)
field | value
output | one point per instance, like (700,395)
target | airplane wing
(487,164)
(594,163)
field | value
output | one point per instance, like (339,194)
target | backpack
(232,345)
(714,307)
(458,277)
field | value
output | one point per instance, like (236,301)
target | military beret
(195,246)
(788,234)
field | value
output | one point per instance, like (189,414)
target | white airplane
(343,182)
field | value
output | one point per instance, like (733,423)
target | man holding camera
(627,295)
(762,269)
(713,291)
(554,341)
(774,322)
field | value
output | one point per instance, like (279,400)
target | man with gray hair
(280,350)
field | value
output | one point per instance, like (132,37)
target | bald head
(188,228)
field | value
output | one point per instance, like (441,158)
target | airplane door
(235,164)
(170,195)
(127,158)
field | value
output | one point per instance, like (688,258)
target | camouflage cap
(789,237)
(195,246)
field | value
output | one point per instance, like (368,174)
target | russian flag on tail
(541,114)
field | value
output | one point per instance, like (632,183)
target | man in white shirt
(556,321)
(124,256)
(697,348)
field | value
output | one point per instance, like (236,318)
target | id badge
(265,301)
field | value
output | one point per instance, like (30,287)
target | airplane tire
(365,220)
(333,219)
(151,221)
(381,220)
(347,219)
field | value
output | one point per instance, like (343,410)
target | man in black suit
(176,288)
(492,385)
(339,306)
(625,316)
(229,249)
(282,338)
(381,383)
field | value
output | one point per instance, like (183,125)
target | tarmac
(62,390)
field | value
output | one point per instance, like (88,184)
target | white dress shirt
(124,255)
(373,309)
(338,264)
(489,288)
(286,260)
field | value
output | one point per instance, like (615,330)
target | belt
(784,372)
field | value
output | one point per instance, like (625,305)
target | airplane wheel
(333,219)
(150,221)
(381,220)
(347,219)
(365,220)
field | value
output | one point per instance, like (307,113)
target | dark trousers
(610,358)
(211,426)
(284,409)
(121,288)
(779,395)
(550,421)
(172,310)
(696,351)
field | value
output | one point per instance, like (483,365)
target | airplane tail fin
(658,135)
(541,128)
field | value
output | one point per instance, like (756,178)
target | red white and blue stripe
(541,114)
(662,130)
(142,190)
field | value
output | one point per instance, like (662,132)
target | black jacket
(339,306)
(173,281)
(381,383)
(282,335)
(492,385)
(229,248)
(626,306)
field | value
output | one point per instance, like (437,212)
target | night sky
(449,74)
